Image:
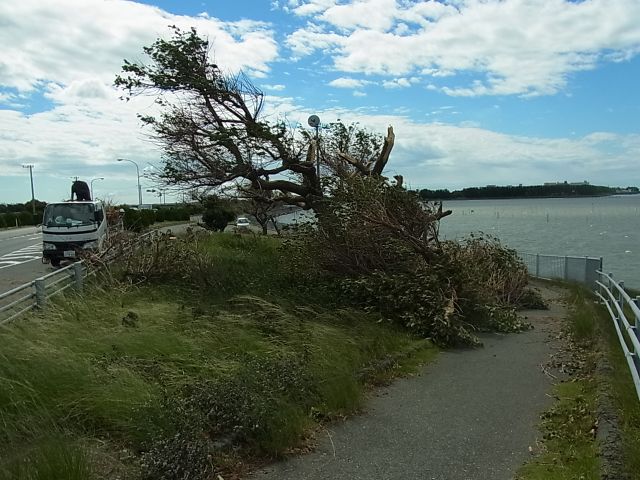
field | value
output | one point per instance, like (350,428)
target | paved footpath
(470,415)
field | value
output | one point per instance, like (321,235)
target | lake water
(607,227)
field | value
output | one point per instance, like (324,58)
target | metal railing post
(77,276)
(537,264)
(41,293)
(620,297)
(636,332)
(637,302)
(566,267)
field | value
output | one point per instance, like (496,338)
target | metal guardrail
(35,294)
(588,270)
(563,267)
(620,306)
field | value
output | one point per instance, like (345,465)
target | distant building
(549,184)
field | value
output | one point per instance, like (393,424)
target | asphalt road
(20,254)
(470,415)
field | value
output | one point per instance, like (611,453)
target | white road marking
(24,255)
(32,236)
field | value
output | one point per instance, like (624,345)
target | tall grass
(179,372)
(620,386)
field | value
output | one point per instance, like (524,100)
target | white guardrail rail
(623,310)
(625,314)
(34,294)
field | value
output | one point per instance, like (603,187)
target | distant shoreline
(533,197)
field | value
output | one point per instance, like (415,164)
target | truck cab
(68,228)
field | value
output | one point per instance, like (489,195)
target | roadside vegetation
(193,357)
(20,214)
(617,381)
(568,449)
(571,448)
(170,377)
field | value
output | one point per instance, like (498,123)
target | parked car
(242,224)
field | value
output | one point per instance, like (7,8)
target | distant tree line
(20,214)
(523,191)
(138,220)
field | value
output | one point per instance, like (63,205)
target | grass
(568,449)
(619,383)
(170,378)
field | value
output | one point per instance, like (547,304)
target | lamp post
(138,174)
(161,194)
(33,197)
(314,122)
(93,180)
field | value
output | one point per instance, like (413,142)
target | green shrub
(217,218)
(415,300)
(172,214)
(381,246)
(138,220)
(10,219)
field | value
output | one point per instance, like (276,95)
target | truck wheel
(55,262)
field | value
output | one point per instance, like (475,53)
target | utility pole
(33,196)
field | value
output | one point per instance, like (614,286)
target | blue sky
(478,91)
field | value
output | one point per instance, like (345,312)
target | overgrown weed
(569,450)
(184,376)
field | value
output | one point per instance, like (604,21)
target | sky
(478,91)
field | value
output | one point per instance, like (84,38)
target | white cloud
(399,82)
(310,7)
(516,47)
(69,51)
(371,14)
(438,154)
(65,40)
(344,82)
(275,88)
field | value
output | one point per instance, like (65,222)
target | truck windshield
(69,215)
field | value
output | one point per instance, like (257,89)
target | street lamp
(138,174)
(314,122)
(161,194)
(93,180)
(33,197)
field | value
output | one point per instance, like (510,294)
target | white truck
(68,228)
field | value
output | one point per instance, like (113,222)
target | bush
(381,246)
(10,219)
(138,220)
(419,301)
(217,218)
(172,214)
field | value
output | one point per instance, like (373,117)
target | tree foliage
(210,125)
(217,213)
(213,133)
